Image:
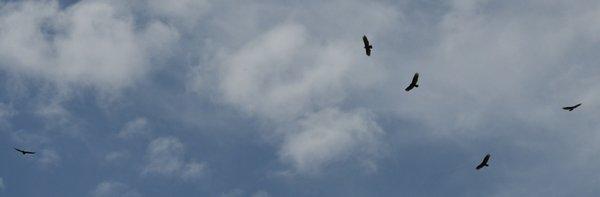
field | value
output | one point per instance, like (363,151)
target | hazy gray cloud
(6,112)
(166,156)
(48,158)
(240,192)
(233,193)
(331,136)
(116,156)
(114,189)
(284,74)
(494,75)
(261,193)
(134,128)
(2,186)
(185,12)
(90,43)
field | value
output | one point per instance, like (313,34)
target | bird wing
(366,41)
(486,159)
(572,107)
(415,79)
(483,162)
(28,152)
(410,87)
(479,166)
(368,51)
(19,150)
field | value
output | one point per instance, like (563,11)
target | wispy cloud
(331,136)
(134,128)
(114,189)
(116,156)
(283,76)
(2,186)
(55,43)
(48,158)
(166,157)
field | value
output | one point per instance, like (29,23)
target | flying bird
(24,152)
(368,46)
(413,84)
(572,107)
(484,162)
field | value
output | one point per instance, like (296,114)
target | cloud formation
(48,158)
(134,128)
(114,189)
(285,86)
(285,75)
(165,157)
(2,186)
(90,43)
(330,136)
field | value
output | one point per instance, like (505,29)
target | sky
(268,98)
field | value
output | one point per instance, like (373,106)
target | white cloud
(233,193)
(116,156)
(89,43)
(240,192)
(2,186)
(24,137)
(331,136)
(134,128)
(261,193)
(253,72)
(185,11)
(6,112)
(114,189)
(56,116)
(492,63)
(165,156)
(296,67)
(48,158)
(281,74)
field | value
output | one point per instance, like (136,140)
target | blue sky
(276,98)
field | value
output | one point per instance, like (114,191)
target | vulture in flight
(368,46)
(572,107)
(413,84)
(24,152)
(484,162)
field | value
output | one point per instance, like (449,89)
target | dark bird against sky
(24,152)
(368,46)
(413,84)
(484,162)
(572,107)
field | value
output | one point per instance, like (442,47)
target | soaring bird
(368,46)
(24,152)
(484,162)
(413,84)
(572,107)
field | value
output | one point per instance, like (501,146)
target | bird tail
(416,86)
(487,165)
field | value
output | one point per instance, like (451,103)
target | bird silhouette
(24,152)
(413,84)
(571,108)
(484,162)
(368,46)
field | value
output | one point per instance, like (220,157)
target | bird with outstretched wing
(413,84)
(484,162)
(368,46)
(571,108)
(24,152)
